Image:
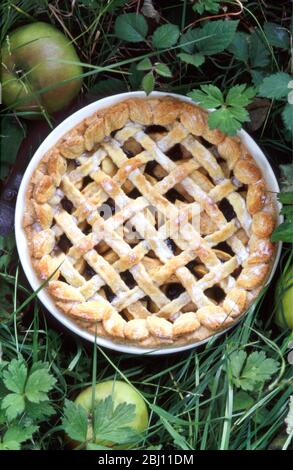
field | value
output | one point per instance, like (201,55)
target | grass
(191,395)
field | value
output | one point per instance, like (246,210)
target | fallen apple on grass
(121,393)
(33,59)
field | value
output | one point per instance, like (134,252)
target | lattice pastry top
(156,228)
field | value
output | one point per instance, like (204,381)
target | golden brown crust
(213,317)
(197,177)
(261,250)
(93,311)
(213,136)
(43,243)
(255,197)
(186,323)
(230,150)
(44,214)
(62,291)
(94,133)
(235,302)
(56,166)
(72,146)
(136,329)
(160,327)
(263,224)
(247,172)
(44,190)
(192,119)
(165,111)
(253,276)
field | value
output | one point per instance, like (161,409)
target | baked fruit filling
(151,228)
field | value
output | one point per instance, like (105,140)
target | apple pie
(149,227)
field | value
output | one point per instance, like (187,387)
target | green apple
(32,58)
(120,392)
(284,300)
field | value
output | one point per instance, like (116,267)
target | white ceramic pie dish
(21,239)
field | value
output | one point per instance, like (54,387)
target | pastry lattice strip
(223,189)
(169,178)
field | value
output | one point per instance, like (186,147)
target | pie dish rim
(21,238)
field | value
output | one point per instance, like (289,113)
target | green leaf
(19,433)
(250,372)
(39,383)
(284,233)
(286,197)
(3,389)
(242,401)
(10,445)
(121,435)
(165,36)
(110,424)
(15,376)
(206,5)
(240,96)
(259,368)
(240,46)
(222,34)
(222,119)
(13,404)
(212,38)
(131,27)
(12,134)
(135,77)
(240,114)
(163,70)
(257,77)
(120,416)
(209,96)
(92,446)
(277,35)
(148,83)
(39,365)
(144,64)
(259,53)
(287,211)
(75,421)
(232,113)
(205,101)
(237,360)
(193,59)
(275,86)
(39,411)
(213,92)
(189,40)
(287,116)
